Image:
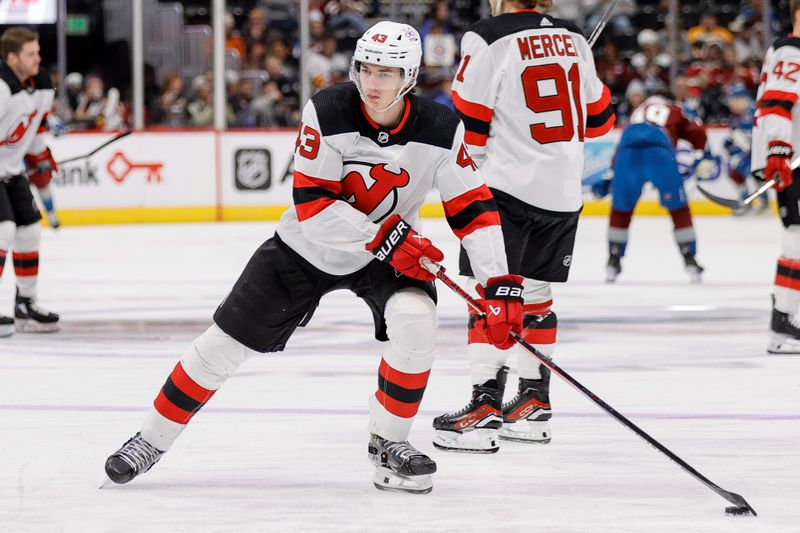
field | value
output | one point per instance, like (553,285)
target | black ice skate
(136,456)
(526,418)
(613,268)
(474,428)
(33,319)
(693,268)
(785,338)
(399,467)
(6,326)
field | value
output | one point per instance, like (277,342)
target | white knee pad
(411,325)
(213,357)
(28,238)
(790,245)
(7,231)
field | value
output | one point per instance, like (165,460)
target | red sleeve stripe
(484,220)
(602,130)
(312,195)
(407,381)
(775,110)
(475,139)
(310,209)
(779,95)
(455,205)
(596,108)
(472,109)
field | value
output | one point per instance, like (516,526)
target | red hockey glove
(399,245)
(779,155)
(41,167)
(502,301)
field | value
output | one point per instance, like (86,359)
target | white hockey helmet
(389,44)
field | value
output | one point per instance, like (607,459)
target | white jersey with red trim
(351,174)
(777,117)
(23,118)
(529,95)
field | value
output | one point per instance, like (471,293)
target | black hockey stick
(741,506)
(736,204)
(90,154)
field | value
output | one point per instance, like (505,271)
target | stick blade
(740,503)
(726,202)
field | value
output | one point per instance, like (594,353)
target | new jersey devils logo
(374,192)
(18,129)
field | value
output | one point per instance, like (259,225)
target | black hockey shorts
(279,291)
(16,201)
(539,243)
(789,202)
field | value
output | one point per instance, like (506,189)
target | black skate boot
(785,338)
(33,319)
(399,467)
(6,326)
(474,428)
(136,456)
(613,268)
(693,268)
(526,418)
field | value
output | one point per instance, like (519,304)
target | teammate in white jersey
(366,156)
(776,140)
(26,95)
(529,96)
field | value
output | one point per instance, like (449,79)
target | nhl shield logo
(383,137)
(567,260)
(252,169)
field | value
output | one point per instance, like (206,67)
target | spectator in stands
(269,108)
(282,15)
(288,85)
(73,83)
(635,94)
(256,54)
(709,29)
(651,65)
(171,102)
(747,46)
(233,40)
(346,16)
(614,71)
(278,47)
(316,27)
(326,66)
(201,108)
(255,27)
(620,24)
(438,15)
(95,110)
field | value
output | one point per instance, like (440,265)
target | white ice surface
(282,447)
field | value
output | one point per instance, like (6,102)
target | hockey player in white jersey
(26,95)
(529,96)
(366,156)
(776,140)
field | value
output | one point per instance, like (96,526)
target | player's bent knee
(214,356)
(411,325)
(790,247)
(28,237)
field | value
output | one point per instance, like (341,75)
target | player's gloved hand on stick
(705,166)
(779,156)
(399,245)
(502,303)
(41,167)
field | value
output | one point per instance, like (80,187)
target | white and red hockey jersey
(777,117)
(529,95)
(24,108)
(351,174)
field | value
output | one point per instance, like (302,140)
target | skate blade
(389,481)
(31,326)
(783,345)
(106,484)
(611,275)
(538,432)
(475,441)
(7,331)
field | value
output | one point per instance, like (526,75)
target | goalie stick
(90,154)
(739,204)
(740,503)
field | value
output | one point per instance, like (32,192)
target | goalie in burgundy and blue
(367,155)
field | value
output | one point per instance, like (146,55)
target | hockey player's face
(380,84)
(26,63)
